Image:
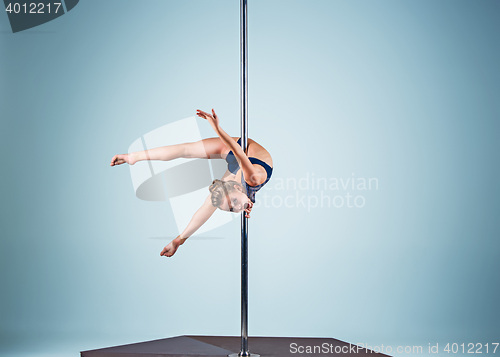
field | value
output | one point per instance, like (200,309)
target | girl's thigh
(211,148)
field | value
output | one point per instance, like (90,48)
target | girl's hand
(211,118)
(171,247)
(248,209)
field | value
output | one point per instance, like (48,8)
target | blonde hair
(220,189)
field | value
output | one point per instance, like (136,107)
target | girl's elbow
(255,179)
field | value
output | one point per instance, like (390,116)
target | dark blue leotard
(233,167)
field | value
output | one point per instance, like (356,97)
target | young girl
(235,192)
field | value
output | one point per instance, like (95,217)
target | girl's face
(236,201)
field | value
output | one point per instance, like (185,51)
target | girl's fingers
(203,114)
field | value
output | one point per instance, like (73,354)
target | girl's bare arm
(254,174)
(199,218)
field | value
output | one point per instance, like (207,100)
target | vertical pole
(244,136)
(244,221)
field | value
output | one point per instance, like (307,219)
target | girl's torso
(255,152)
(254,149)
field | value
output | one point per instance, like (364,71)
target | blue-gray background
(404,91)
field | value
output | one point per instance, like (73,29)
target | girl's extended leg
(212,148)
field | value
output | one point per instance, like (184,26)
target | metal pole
(244,137)
(244,221)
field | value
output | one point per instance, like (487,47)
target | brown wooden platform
(221,346)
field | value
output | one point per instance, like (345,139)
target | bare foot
(121,159)
(171,247)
